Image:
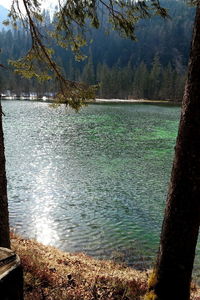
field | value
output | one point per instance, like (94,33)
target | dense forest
(153,67)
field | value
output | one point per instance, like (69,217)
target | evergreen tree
(88,74)
(172,275)
(141,82)
(155,78)
(167,83)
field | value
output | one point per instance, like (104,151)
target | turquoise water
(94,181)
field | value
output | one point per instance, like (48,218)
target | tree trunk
(4,223)
(172,275)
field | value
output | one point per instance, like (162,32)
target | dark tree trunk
(172,275)
(4,223)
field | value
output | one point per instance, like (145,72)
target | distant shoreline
(133,101)
(96,101)
(130,101)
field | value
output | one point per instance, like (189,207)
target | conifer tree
(155,78)
(88,74)
(172,276)
(140,82)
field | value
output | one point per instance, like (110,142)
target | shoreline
(130,101)
(50,273)
(98,101)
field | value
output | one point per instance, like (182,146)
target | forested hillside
(153,67)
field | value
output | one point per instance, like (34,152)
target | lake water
(94,181)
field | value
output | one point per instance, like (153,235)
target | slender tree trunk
(4,223)
(172,275)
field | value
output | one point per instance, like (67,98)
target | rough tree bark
(172,275)
(4,223)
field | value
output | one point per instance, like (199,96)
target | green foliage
(69,31)
(122,68)
(33,65)
(76,96)
(6,22)
(156,82)
(151,295)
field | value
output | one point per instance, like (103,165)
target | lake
(94,181)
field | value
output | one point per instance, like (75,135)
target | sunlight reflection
(45,232)
(43,208)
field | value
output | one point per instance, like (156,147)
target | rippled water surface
(93,181)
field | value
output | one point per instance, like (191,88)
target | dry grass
(54,275)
